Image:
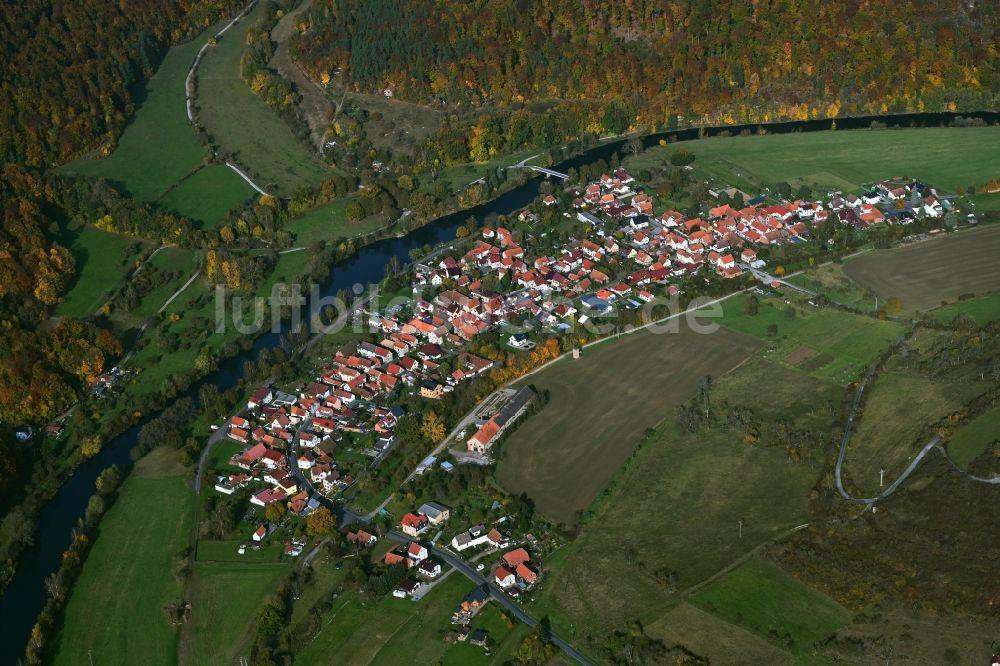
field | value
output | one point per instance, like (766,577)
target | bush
(681,157)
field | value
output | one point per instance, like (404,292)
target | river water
(25,596)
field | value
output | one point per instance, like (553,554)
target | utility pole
(881,477)
(741,528)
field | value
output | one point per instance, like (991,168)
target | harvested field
(670,519)
(599,407)
(924,274)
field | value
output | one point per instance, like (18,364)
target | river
(25,595)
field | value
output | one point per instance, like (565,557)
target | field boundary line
(689,592)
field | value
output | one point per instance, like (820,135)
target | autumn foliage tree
(565,67)
(432,428)
(320,522)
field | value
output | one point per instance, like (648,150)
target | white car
(480,567)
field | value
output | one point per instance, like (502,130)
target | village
(300,450)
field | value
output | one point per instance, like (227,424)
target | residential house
(516,557)
(434,512)
(503,577)
(413,524)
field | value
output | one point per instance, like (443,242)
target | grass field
(241,123)
(712,637)
(944,157)
(900,405)
(176,260)
(114,611)
(986,202)
(827,344)
(923,275)
(329,222)
(975,438)
(983,309)
(829,280)
(765,599)
(158,148)
(674,510)
(599,407)
(102,259)
(224,600)
(393,631)
(208,195)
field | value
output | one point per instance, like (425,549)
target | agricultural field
(225,598)
(975,438)
(114,611)
(207,195)
(946,158)
(763,598)
(102,258)
(242,124)
(671,517)
(599,407)
(931,273)
(159,147)
(828,344)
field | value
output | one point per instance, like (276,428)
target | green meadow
(102,258)
(763,598)
(158,148)
(329,222)
(975,438)
(114,613)
(946,158)
(225,599)
(207,195)
(827,344)
(241,123)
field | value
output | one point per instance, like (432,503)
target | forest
(645,62)
(71,73)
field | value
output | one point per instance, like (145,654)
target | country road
(933,444)
(465,569)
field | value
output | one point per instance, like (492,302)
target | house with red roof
(516,557)
(503,577)
(413,524)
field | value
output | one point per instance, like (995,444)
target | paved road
(344,515)
(466,421)
(465,569)
(767,279)
(214,439)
